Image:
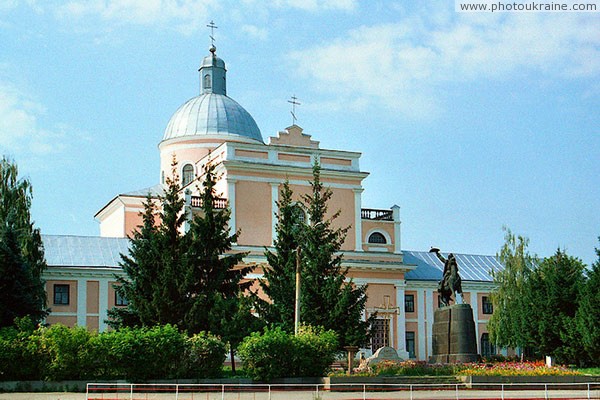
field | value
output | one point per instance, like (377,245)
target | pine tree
(554,295)
(21,251)
(279,278)
(214,278)
(153,267)
(588,313)
(327,299)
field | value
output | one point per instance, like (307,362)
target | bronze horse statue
(451,282)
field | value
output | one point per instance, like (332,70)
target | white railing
(341,391)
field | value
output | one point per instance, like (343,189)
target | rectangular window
(380,334)
(61,295)
(410,344)
(409,303)
(487,306)
(120,300)
(487,348)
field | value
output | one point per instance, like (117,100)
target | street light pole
(297,307)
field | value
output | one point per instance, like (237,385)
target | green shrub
(20,353)
(64,349)
(204,355)
(135,354)
(276,354)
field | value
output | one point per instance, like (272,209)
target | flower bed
(422,368)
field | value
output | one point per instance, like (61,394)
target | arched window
(188,174)
(377,238)
(207,82)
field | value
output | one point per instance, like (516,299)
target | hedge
(59,353)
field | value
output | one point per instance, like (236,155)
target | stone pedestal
(453,335)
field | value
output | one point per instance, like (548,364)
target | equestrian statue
(451,282)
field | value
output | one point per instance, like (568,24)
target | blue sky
(468,121)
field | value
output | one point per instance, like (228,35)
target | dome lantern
(212,74)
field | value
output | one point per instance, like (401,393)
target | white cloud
(401,65)
(316,5)
(182,15)
(255,32)
(20,128)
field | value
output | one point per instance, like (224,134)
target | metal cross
(293,112)
(212,27)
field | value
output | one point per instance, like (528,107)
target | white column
(102,304)
(421,295)
(429,296)
(357,219)
(397,232)
(274,210)
(82,302)
(401,321)
(231,199)
(188,210)
(475,306)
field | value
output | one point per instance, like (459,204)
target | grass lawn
(589,371)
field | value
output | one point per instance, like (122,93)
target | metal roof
(212,114)
(97,251)
(156,190)
(84,251)
(471,267)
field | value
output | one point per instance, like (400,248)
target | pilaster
(401,321)
(274,210)
(358,219)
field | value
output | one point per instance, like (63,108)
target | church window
(487,348)
(409,303)
(61,295)
(207,82)
(120,300)
(487,305)
(410,344)
(188,174)
(377,238)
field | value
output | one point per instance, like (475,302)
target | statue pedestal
(453,335)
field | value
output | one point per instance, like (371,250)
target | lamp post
(297,304)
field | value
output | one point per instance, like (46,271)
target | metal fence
(354,391)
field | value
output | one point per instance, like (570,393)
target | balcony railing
(220,202)
(377,215)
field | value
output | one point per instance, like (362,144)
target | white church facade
(212,127)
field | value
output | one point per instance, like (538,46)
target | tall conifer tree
(278,282)
(21,251)
(326,298)
(153,286)
(588,313)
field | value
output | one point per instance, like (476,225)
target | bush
(140,354)
(204,356)
(276,354)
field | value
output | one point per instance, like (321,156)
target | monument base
(453,335)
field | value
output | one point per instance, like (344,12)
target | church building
(212,127)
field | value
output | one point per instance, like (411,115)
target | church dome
(212,112)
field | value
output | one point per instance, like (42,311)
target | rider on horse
(451,281)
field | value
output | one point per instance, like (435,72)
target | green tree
(214,278)
(279,278)
(510,324)
(21,251)
(554,296)
(588,313)
(327,299)
(153,268)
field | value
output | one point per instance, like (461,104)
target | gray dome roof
(212,114)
